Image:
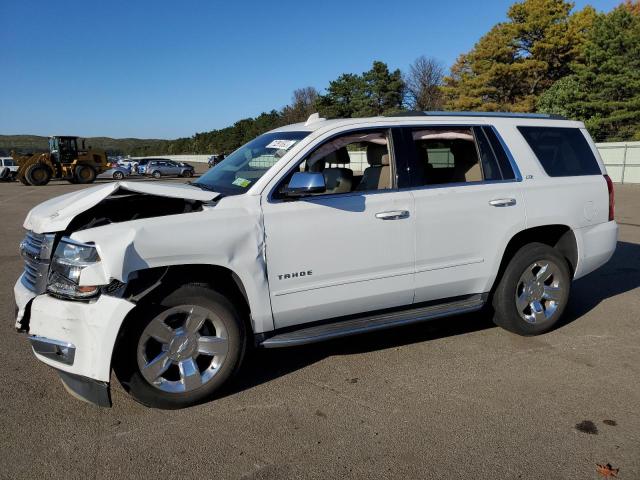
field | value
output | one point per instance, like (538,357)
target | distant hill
(114,146)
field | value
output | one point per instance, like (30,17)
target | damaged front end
(67,300)
(105,250)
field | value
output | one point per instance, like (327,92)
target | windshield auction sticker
(241,182)
(281,144)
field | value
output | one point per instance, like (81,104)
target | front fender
(229,236)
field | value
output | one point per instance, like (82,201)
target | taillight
(612,199)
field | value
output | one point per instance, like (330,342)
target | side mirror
(305,183)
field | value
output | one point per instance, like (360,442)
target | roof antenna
(314,117)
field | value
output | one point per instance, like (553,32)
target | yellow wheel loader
(64,160)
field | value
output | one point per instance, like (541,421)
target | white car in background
(10,164)
(311,232)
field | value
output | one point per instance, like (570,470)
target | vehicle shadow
(621,274)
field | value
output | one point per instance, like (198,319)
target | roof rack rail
(546,116)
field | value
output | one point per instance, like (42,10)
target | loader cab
(63,149)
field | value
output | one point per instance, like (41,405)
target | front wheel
(117,175)
(181,352)
(38,174)
(533,291)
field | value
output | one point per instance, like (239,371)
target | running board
(370,323)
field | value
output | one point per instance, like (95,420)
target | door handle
(393,215)
(503,202)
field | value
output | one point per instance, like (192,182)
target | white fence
(622,160)
(179,158)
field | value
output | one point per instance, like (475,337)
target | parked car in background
(142,163)
(116,173)
(168,168)
(11,165)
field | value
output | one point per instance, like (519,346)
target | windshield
(237,172)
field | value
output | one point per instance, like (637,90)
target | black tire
(117,175)
(126,364)
(187,173)
(37,174)
(525,261)
(85,174)
(156,174)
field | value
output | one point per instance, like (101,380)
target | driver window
(357,161)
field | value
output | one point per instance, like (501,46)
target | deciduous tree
(422,83)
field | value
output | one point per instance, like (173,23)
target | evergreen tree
(604,91)
(519,59)
(375,92)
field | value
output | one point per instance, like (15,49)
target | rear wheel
(182,351)
(37,174)
(85,174)
(156,174)
(533,291)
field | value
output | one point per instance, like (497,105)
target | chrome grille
(36,250)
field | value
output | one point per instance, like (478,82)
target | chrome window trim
(457,184)
(512,161)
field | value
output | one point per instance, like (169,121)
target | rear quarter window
(562,152)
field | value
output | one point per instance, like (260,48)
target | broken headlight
(69,259)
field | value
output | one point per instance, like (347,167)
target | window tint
(500,155)
(446,155)
(562,152)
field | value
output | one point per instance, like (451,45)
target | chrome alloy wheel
(538,291)
(182,348)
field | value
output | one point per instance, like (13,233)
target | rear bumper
(596,244)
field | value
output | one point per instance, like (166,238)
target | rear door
(350,250)
(468,205)
(173,167)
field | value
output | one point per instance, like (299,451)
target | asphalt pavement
(452,398)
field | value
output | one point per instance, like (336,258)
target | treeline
(547,57)
(27,144)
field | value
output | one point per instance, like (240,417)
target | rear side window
(500,155)
(562,152)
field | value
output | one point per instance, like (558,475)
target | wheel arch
(149,285)
(558,236)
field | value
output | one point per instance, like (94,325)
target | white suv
(310,232)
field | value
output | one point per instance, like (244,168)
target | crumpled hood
(56,214)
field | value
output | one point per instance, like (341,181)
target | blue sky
(164,69)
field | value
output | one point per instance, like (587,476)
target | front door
(349,250)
